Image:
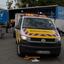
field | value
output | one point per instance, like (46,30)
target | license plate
(43,52)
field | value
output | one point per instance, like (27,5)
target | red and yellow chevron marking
(39,33)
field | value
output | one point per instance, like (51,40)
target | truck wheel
(19,52)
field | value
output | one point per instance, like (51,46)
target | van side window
(19,23)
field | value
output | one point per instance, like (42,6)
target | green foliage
(42,2)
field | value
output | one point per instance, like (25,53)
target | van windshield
(38,23)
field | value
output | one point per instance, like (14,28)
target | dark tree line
(41,2)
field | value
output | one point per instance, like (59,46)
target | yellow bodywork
(17,36)
(39,33)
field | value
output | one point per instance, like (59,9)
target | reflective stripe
(36,34)
(30,34)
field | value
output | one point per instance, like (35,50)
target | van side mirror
(60,31)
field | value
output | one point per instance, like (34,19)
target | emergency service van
(37,34)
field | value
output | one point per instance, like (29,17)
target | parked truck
(4,16)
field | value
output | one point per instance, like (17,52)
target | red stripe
(35,34)
(54,35)
(49,34)
(26,32)
(30,34)
(42,35)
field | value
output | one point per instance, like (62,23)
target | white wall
(60,23)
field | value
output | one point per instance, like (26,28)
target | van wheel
(19,52)
(56,53)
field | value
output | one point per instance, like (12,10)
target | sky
(3,4)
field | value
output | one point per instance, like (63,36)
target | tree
(41,2)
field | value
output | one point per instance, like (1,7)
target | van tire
(19,52)
(56,53)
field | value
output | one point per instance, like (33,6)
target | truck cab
(37,34)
